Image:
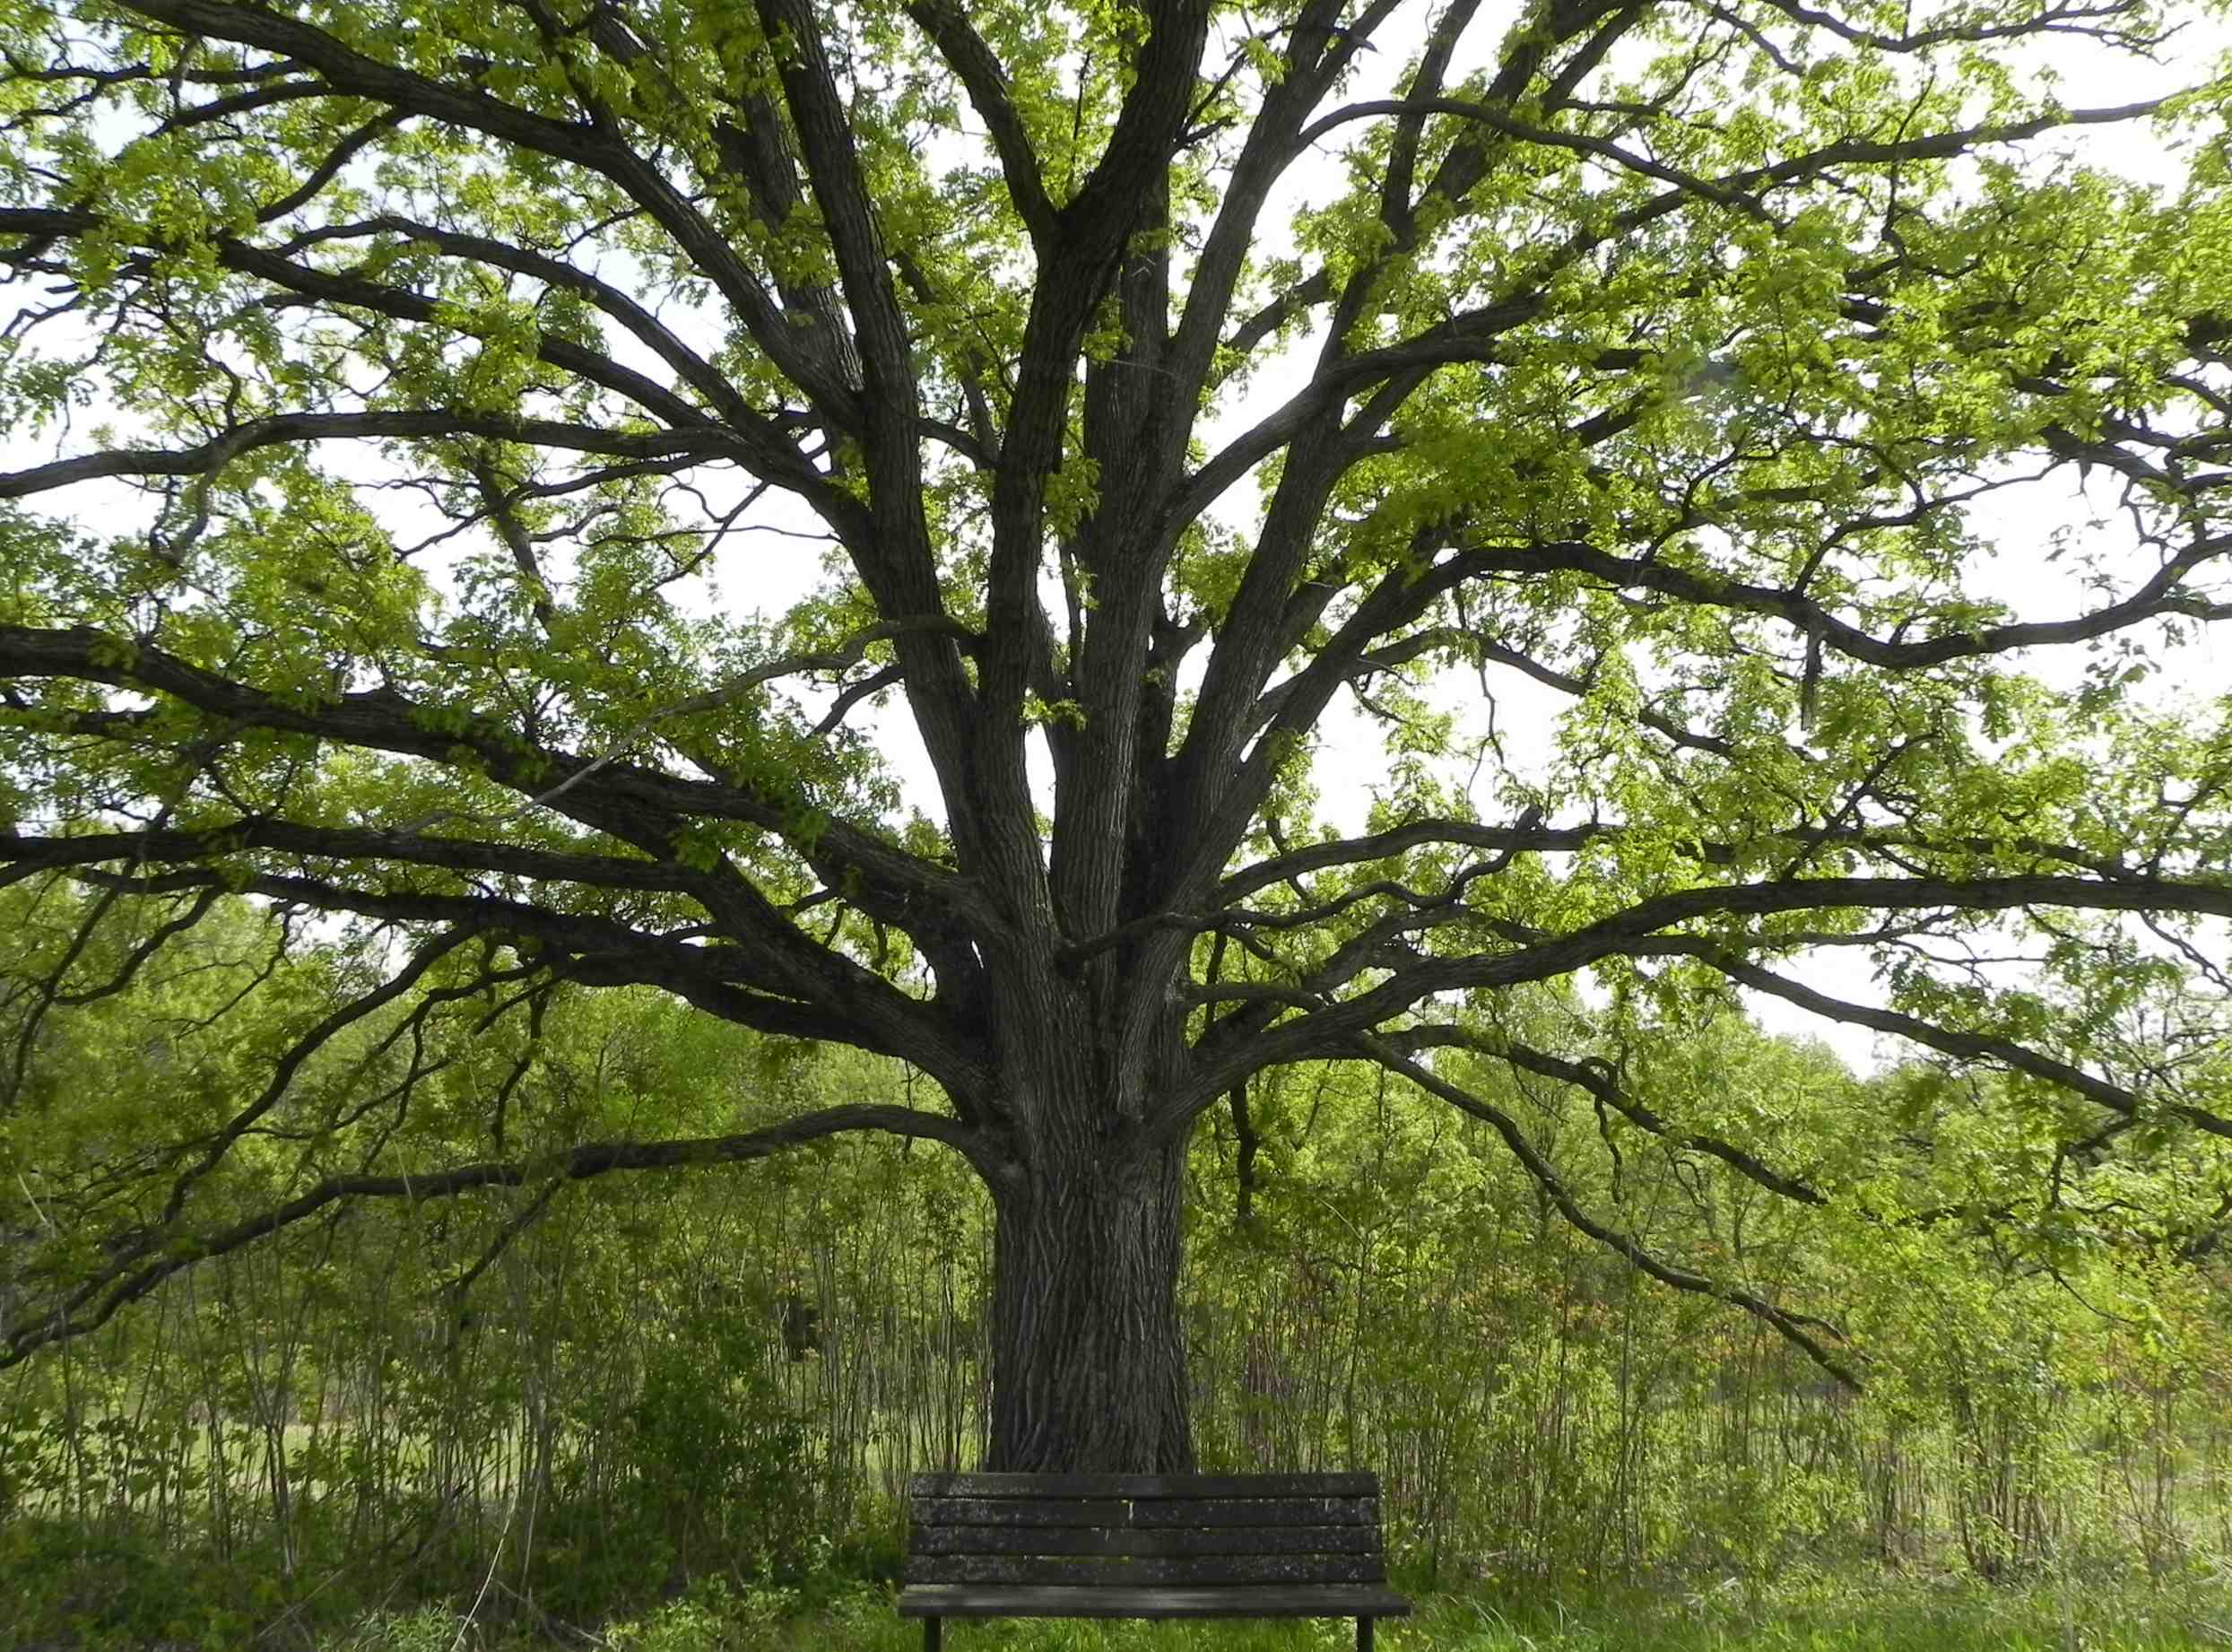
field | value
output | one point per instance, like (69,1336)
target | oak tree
(409,396)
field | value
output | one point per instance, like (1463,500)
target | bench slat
(1182,1540)
(1192,1569)
(1332,1599)
(1361,1484)
(1257,1511)
(1146,1512)
(928,1512)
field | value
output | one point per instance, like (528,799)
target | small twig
(466,1623)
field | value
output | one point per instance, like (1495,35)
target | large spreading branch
(585,144)
(1227,1054)
(625,799)
(1600,1080)
(120,1284)
(1966,1045)
(1801,1331)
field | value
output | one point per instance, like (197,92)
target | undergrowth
(1797,1613)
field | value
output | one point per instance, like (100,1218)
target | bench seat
(1012,1600)
(1146,1546)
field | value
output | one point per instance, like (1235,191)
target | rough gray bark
(1088,1365)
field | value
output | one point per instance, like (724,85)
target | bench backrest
(1144,1529)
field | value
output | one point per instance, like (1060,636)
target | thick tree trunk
(1087,1361)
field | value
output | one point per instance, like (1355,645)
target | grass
(1800,1613)
(60,1591)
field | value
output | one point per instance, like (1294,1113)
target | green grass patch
(1796,1614)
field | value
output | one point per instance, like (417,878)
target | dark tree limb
(1596,1079)
(946,24)
(124,1285)
(1797,1329)
(1641,930)
(1965,1045)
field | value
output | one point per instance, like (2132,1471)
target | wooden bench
(1145,1547)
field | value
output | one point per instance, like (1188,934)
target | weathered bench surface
(1146,1546)
(941,1600)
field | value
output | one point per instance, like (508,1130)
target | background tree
(1669,356)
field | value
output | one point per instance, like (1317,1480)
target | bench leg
(1364,1635)
(933,1634)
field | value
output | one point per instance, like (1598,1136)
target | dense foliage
(701,1385)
